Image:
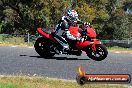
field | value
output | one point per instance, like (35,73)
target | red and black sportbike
(46,46)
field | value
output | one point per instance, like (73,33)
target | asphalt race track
(25,61)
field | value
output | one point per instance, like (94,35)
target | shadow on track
(60,58)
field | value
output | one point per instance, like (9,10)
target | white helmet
(72,14)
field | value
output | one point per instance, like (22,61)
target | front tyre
(43,47)
(100,54)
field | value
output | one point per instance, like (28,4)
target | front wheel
(98,55)
(43,47)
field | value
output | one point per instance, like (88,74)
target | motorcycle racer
(62,27)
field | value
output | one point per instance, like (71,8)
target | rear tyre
(43,47)
(100,54)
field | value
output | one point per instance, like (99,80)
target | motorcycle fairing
(74,31)
(91,32)
(81,45)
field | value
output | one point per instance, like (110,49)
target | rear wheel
(43,47)
(100,54)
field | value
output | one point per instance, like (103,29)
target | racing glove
(80,39)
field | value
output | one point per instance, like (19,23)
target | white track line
(117,52)
(30,47)
(18,46)
(13,46)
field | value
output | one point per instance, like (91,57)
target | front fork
(94,43)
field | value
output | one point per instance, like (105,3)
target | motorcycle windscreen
(74,31)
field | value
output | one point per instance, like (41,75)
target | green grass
(119,48)
(11,85)
(42,82)
(14,41)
